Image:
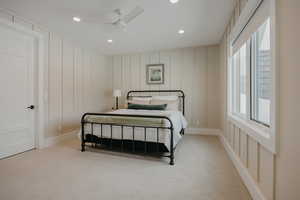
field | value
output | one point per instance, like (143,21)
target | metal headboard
(179,93)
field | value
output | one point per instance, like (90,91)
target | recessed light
(173,1)
(110,41)
(181,31)
(76,19)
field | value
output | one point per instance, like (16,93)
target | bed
(138,130)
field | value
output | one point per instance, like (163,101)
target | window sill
(258,132)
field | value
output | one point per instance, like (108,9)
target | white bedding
(178,120)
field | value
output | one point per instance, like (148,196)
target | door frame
(39,74)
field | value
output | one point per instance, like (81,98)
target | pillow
(141,102)
(141,98)
(147,107)
(138,102)
(167,98)
(171,104)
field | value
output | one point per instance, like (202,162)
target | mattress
(164,136)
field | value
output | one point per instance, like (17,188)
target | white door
(16,92)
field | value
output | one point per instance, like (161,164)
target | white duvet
(178,120)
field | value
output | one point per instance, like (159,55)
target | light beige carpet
(202,171)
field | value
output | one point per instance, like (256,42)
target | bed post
(183,107)
(183,103)
(172,148)
(82,134)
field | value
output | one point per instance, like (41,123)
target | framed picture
(155,74)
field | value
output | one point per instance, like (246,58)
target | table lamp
(117,94)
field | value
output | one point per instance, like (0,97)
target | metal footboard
(84,140)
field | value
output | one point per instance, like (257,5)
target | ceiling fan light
(173,1)
(181,31)
(76,19)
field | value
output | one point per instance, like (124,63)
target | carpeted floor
(202,171)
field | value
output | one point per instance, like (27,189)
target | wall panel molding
(250,183)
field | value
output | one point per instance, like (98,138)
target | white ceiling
(204,22)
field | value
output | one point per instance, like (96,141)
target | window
(243,79)
(235,66)
(239,81)
(261,74)
(251,77)
(252,69)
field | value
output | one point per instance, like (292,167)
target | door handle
(30,107)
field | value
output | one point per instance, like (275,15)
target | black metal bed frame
(91,138)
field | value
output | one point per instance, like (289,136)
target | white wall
(287,162)
(77,79)
(275,176)
(194,70)
(255,160)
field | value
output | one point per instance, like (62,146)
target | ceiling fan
(120,20)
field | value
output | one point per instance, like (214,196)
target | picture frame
(155,74)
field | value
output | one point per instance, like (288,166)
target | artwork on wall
(155,74)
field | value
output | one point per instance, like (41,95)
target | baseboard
(60,138)
(250,183)
(202,131)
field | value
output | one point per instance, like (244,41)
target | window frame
(244,115)
(254,54)
(265,135)
(235,76)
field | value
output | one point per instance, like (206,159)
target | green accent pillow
(147,107)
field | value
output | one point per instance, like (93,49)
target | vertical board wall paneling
(236,140)
(266,172)
(200,83)
(117,73)
(55,82)
(92,83)
(68,97)
(185,69)
(243,147)
(231,135)
(135,72)
(143,79)
(214,87)
(86,77)
(188,57)
(126,75)
(223,83)
(176,64)
(165,58)
(78,77)
(253,158)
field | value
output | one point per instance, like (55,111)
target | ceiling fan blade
(133,14)
(113,19)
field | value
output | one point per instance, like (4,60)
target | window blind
(258,17)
